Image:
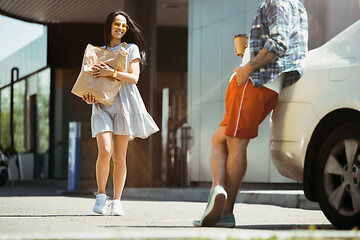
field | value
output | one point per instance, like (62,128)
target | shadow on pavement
(47,215)
(28,191)
(246,227)
(152,226)
(287,227)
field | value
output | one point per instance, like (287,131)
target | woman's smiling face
(118,29)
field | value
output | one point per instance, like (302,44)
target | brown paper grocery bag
(105,89)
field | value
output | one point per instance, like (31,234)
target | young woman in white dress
(114,126)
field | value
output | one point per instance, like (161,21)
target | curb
(282,198)
(292,197)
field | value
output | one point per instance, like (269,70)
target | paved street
(69,217)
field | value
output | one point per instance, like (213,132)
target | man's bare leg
(219,155)
(235,170)
(217,196)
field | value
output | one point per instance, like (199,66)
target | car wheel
(338,176)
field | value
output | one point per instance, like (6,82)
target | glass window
(5,118)
(43,105)
(19,116)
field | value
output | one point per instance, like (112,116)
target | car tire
(338,176)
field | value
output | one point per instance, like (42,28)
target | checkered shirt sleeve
(280,26)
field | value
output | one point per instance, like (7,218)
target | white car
(315,128)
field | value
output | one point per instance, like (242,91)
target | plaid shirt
(280,26)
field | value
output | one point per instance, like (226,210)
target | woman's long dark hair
(133,35)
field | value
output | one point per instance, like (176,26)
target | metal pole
(165,136)
(12,104)
(74,155)
(26,134)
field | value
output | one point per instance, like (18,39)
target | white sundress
(128,114)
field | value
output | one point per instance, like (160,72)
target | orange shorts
(246,107)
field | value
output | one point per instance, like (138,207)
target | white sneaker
(116,208)
(100,204)
(214,207)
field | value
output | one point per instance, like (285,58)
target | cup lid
(240,35)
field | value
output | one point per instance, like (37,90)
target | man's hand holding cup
(240,41)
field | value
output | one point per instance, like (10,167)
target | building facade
(57,55)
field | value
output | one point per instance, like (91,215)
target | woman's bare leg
(119,158)
(104,142)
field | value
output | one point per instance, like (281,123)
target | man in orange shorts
(278,44)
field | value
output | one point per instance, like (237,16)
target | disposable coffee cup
(240,41)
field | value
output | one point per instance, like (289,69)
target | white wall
(211,59)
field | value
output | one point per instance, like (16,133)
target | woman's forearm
(127,77)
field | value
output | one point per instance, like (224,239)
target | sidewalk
(282,198)
(44,213)
(268,194)
(48,211)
